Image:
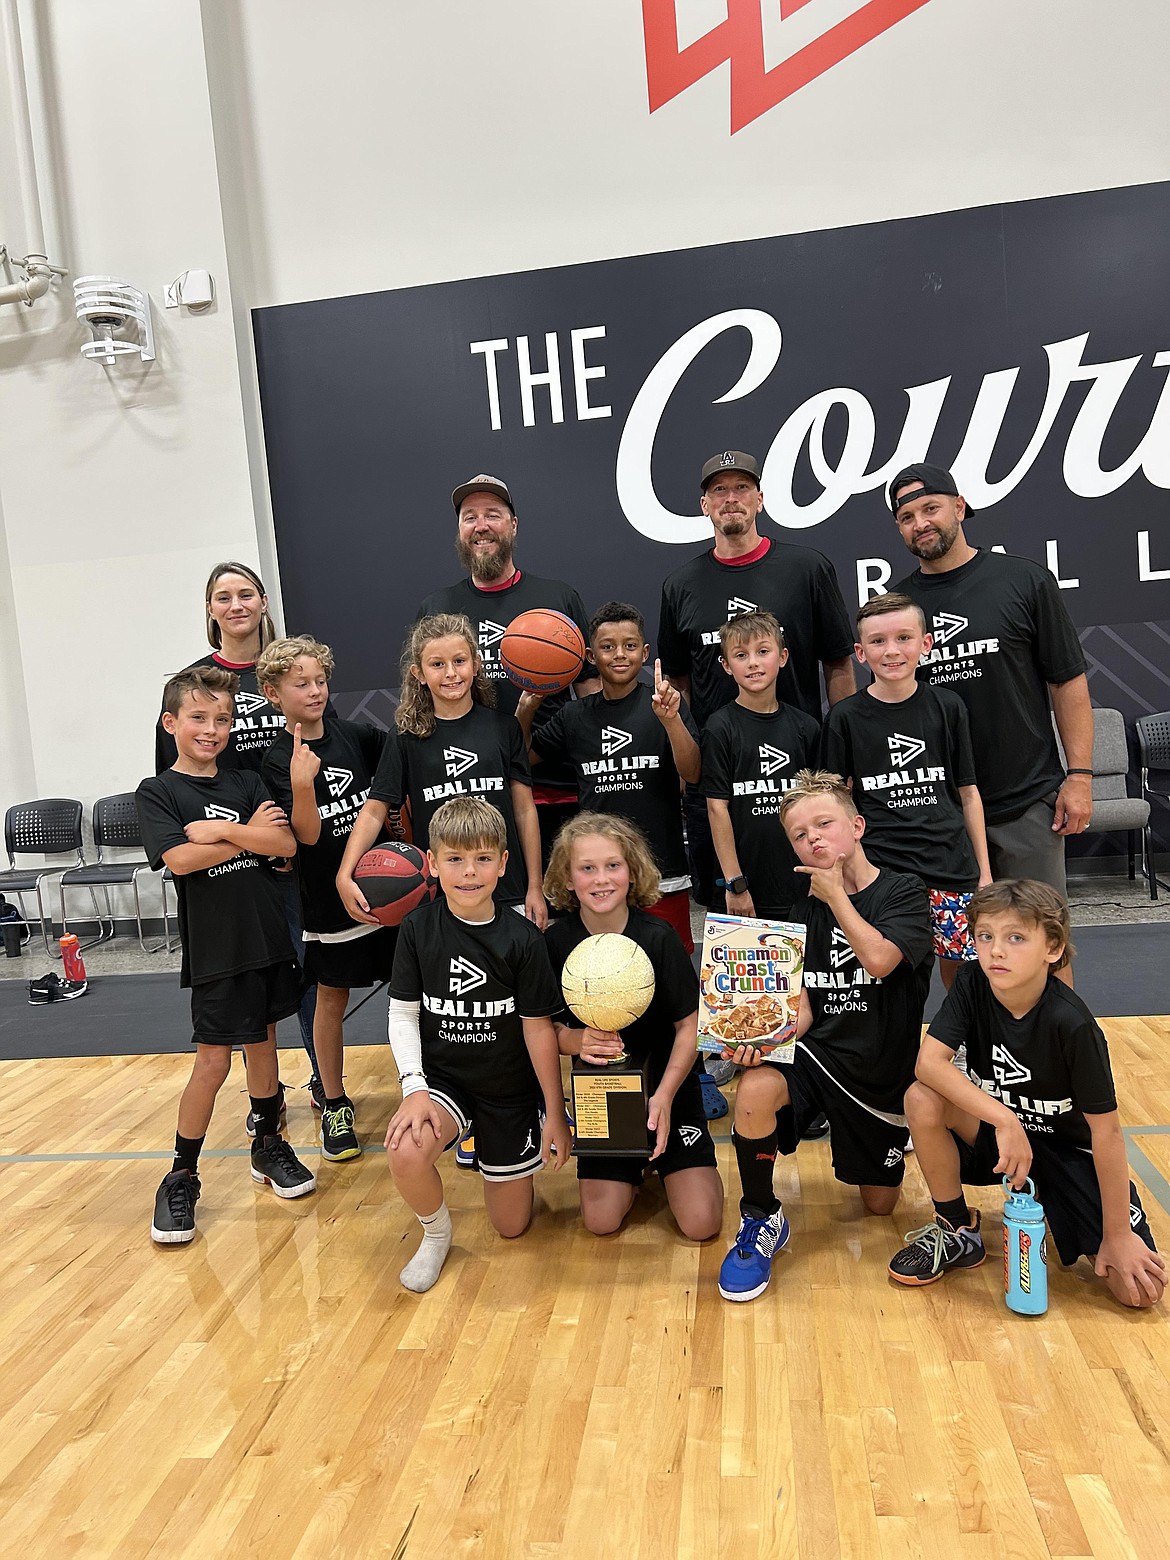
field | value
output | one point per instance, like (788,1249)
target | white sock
(423,1269)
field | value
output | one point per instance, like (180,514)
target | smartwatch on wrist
(737,885)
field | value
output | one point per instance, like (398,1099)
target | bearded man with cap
(1003,640)
(745,572)
(491,594)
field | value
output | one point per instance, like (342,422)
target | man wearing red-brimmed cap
(1003,640)
(491,594)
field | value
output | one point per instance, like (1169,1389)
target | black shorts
(237,1009)
(1066,1187)
(507,1132)
(868,1146)
(688,1146)
(359,961)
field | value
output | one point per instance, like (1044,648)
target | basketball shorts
(688,1146)
(948,924)
(359,961)
(868,1145)
(237,1009)
(1026,847)
(507,1132)
(1066,1187)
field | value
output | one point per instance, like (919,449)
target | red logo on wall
(740,40)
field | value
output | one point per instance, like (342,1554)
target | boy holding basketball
(319,771)
(216,830)
(867,963)
(1037,1100)
(472,1000)
(751,750)
(629,747)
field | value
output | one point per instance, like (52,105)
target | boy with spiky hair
(1037,1100)
(472,1000)
(216,830)
(866,971)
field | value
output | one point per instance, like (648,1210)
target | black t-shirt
(480,754)
(907,762)
(676,986)
(1001,634)
(623,764)
(490,612)
(866,1030)
(1049,1067)
(797,584)
(231,917)
(253,729)
(349,754)
(475,984)
(749,761)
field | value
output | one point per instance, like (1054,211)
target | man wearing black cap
(748,573)
(1004,641)
(494,592)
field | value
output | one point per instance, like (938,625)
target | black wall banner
(1026,346)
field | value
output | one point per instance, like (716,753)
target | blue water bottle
(1025,1252)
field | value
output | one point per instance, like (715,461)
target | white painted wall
(299,152)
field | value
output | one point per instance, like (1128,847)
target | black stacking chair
(1153,734)
(115,827)
(49,827)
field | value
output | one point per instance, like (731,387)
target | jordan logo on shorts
(529,1143)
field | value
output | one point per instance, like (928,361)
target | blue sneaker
(465,1155)
(747,1267)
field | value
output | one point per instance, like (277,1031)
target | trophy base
(610,1103)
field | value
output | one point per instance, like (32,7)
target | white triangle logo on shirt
(946,626)
(1006,1068)
(613,739)
(738,605)
(840,951)
(903,749)
(223,813)
(248,703)
(458,759)
(465,976)
(338,780)
(772,759)
(490,633)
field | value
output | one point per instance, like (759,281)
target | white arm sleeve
(406,1044)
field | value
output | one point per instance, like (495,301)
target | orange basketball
(542,650)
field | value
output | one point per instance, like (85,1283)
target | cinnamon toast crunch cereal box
(750,979)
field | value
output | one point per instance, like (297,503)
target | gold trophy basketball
(608,983)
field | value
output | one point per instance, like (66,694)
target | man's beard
(930,549)
(734,525)
(486,566)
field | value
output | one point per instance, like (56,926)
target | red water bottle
(71,957)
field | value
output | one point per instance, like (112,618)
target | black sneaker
(316,1093)
(68,989)
(44,990)
(250,1119)
(275,1164)
(817,1129)
(174,1209)
(937,1248)
(338,1138)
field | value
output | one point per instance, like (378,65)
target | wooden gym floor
(270,1389)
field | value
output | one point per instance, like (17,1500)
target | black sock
(756,1158)
(187,1153)
(337,1103)
(956,1213)
(267,1116)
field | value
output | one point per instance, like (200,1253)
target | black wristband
(1078,771)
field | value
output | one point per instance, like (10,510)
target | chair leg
(1131,841)
(1148,852)
(44,927)
(138,913)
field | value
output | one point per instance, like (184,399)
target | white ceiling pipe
(38,272)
